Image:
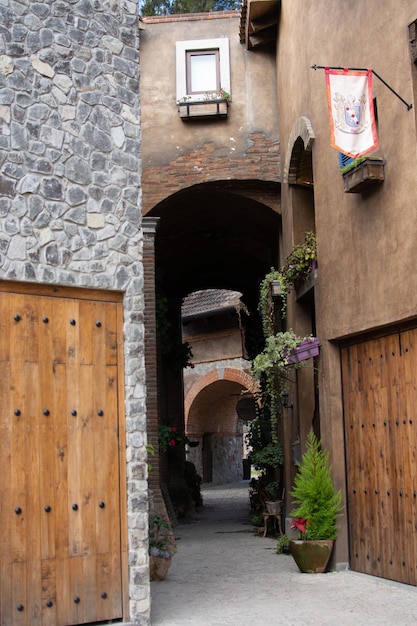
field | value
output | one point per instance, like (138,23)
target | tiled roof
(209,301)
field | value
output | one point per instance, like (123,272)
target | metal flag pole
(364,69)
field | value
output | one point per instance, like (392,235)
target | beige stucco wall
(366,244)
(253,94)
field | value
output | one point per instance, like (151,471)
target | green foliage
(275,355)
(271,455)
(313,493)
(167,7)
(266,305)
(283,544)
(299,263)
(266,450)
(169,437)
(273,489)
(257,519)
(150,450)
(161,539)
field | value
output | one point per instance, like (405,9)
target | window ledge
(194,110)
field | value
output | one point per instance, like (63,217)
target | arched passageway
(217,235)
(212,420)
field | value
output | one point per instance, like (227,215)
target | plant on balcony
(299,263)
(219,94)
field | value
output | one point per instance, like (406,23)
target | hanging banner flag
(351,111)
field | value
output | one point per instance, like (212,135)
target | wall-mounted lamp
(276,291)
(284,400)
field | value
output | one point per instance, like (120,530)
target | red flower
(174,429)
(172,442)
(299,524)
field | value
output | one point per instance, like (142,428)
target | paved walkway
(225,575)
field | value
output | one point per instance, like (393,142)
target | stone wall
(70,186)
(227,458)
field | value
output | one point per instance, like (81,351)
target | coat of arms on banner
(351,111)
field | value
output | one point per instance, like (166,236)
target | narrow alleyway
(225,575)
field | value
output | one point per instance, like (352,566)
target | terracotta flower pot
(158,567)
(312,556)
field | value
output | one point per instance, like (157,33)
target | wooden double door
(380,411)
(60,510)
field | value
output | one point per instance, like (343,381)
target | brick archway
(212,421)
(216,374)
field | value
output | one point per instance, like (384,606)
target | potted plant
(317,506)
(162,546)
(301,262)
(283,544)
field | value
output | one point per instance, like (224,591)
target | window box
(305,350)
(216,109)
(364,175)
(305,287)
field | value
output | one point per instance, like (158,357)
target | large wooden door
(380,410)
(60,539)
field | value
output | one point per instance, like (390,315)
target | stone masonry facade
(70,210)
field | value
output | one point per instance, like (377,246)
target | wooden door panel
(60,546)
(380,397)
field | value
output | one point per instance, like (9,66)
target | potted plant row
(317,506)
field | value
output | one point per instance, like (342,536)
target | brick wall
(260,161)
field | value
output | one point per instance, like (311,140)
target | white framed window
(203,67)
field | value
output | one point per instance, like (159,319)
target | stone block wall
(70,186)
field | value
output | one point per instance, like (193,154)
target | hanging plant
(266,304)
(170,437)
(298,265)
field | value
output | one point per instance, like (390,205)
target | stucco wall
(178,154)
(70,187)
(365,242)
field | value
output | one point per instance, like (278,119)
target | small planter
(312,557)
(364,176)
(274,507)
(158,567)
(305,350)
(215,109)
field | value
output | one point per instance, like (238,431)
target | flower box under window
(367,174)
(190,110)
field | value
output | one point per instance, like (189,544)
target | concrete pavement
(225,575)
